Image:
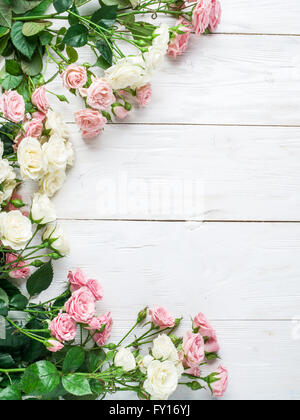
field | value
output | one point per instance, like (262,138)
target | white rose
(8,188)
(52,182)
(128,72)
(125,359)
(15,229)
(42,209)
(70,153)
(145,362)
(162,379)
(1,197)
(1,148)
(61,244)
(5,170)
(164,349)
(162,40)
(55,153)
(56,125)
(30,158)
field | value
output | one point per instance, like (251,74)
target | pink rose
(74,77)
(77,280)
(81,305)
(19,269)
(96,289)
(54,346)
(205,328)
(13,106)
(102,337)
(100,95)
(219,388)
(39,115)
(90,122)
(34,128)
(63,328)
(39,99)
(212,345)
(201,16)
(161,317)
(194,371)
(179,44)
(215,15)
(193,347)
(144,95)
(120,112)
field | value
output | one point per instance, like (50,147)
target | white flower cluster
(136,71)
(7,178)
(162,367)
(46,160)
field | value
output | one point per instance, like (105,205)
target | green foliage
(34,28)
(72,54)
(18,302)
(95,359)
(13,67)
(11,82)
(40,378)
(76,36)
(22,6)
(11,393)
(76,384)
(105,50)
(34,66)
(26,45)
(5,14)
(73,360)
(106,16)
(40,280)
(62,5)
(6,130)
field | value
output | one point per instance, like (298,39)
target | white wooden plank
(262,358)
(227,270)
(221,80)
(185,173)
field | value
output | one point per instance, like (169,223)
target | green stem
(30,18)
(12,370)
(129,332)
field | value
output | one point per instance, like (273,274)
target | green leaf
(5,14)
(76,384)
(34,66)
(40,378)
(34,28)
(6,361)
(25,45)
(40,280)
(11,393)
(45,38)
(18,302)
(40,9)
(9,288)
(62,5)
(103,64)
(3,308)
(73,20)
(3,31)
(95,359)
(76,36)
(106,16)
(74,359)
(140,30)
(72,54)
(105,50)
(13,67)
(3,43)
(22,6)
(195,386)
(11,82)
(3,296)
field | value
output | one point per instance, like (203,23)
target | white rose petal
(125,359)
(61,244)
(70,153)
(130,71)
(55,153)
(162,379)
(164,349)
(15,229)
(52,182)
(5,170)
(8,188)
(56,125)
(30,158)
(42,209)
(145,362)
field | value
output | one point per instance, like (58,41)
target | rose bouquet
(34,147)
(60,349)
(127,49)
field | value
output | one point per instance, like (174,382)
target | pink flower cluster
(206,14)
(100,98)
(80,309)
(19,269)
(196,346)
(179,44)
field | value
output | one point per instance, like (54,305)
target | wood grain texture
(226,270)
(222,79)
(185,173)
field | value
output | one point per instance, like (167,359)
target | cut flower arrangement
(60,348)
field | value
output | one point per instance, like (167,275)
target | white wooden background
(194,202)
